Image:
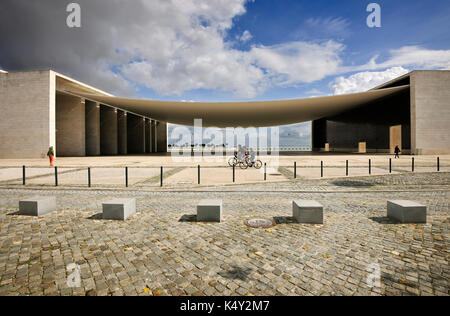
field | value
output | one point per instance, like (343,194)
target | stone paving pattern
(163,251)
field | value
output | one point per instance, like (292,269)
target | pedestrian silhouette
(397,151)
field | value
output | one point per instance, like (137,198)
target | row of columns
(87,128)
(111,132)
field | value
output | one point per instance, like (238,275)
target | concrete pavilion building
(43,108)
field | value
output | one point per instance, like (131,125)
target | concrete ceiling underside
(244,114)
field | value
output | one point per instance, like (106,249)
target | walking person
(397,151)
(51,155)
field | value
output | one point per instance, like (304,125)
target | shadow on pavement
(285,220)
(188,218)
(236,273)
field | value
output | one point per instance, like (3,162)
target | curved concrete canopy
(244,114)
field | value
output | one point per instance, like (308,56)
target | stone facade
(430,112)
(27,103)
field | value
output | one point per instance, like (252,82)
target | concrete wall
(161,132)
(430,112)
(122,133)
(108,131)
(27,105)
(370,123)
(70,126)
(136,134)
(92,128)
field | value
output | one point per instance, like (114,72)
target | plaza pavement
(163,251)
(144,171)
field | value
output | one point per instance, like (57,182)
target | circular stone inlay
(259,223)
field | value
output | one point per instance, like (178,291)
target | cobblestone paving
(163,251)
(405,181)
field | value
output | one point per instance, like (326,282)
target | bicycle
(257,164)
(234,161)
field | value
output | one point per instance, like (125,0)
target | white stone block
(209,211)
(37,206)
(119,209)
(308,212)
(407,211)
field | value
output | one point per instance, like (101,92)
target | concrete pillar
(108,131)
(92,121)
(136,134)
(70,126)
(153,131)
(122,132)
(148,136)
(161,137)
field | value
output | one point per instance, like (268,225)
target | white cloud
(296,62)
(419,57)
(415,57)
(246,36)
(331,25)
(314,91)
(364,81)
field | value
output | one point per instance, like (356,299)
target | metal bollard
(126,177)
(321,169)
(390,165)
(412,164)
(23,175)
(346,167)
(265,171)
(56,176)
(162,171)
(198,174)
(438,166)
(234,173)
(89,177)
(295,169)
(370,166)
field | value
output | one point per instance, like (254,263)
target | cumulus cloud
(246,36)
(364,81)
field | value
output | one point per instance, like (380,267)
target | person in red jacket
(51,155)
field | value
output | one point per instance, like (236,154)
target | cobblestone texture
(163,251)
